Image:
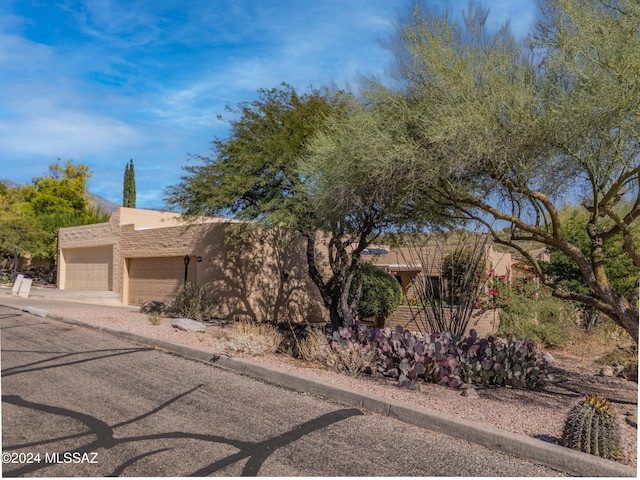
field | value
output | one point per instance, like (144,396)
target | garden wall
(484,322)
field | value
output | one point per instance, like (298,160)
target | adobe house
(145,255)
(409,264)
(148,255)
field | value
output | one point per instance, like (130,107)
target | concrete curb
(554,456)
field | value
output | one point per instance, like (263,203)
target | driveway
(82,403)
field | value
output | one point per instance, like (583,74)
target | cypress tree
(129,187)
(132,185)
(125,187)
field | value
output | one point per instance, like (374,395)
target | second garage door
(157,278)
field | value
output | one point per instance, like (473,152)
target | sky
(100,82)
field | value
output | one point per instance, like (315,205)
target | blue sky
(102,81)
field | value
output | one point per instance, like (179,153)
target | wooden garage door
(156,278)
(89,268)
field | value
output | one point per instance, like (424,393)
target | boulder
(469,392)
(188,325)
(548,358)
(607,371)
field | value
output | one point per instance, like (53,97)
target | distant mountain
(104,204)
(9,183)
(97,201)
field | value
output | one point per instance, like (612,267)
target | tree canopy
(33,214)
(508,133)
(284,165)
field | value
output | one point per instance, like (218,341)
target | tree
(60,200)
(350,197)
(278,169)
(564,272)
(514,132)
(129,188)
(18,227)
(253,174)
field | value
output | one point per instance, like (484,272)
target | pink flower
(492,272)
(504,299)
(493,291)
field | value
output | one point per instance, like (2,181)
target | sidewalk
(560,458)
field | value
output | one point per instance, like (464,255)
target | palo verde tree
(268,172)
(350,197)
(129,186)
(517,131)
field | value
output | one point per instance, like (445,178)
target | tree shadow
(256,453)
(259,275)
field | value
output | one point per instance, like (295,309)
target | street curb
(551,455)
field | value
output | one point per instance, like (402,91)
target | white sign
(25,287)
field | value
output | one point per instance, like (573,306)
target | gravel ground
(538,414)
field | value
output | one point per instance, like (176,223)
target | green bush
(193,301)
(381,292)
(526,312)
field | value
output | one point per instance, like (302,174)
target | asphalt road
(80,403)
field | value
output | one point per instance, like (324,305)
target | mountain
(104,204)
(97,201)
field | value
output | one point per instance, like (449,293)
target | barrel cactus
(592,427)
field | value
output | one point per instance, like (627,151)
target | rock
(632,420)
(154,306)
(188,325)
(469,392)
(546,356)
(607,371)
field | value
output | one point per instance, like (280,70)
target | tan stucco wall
(414,319)
(264,277)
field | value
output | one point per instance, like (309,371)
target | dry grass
(253,338)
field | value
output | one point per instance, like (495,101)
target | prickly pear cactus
(592,427)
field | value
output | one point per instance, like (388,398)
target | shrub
(381,293)
(314,347)
(592,427)
(193,301)
(253,337)
(527,312)
(154,318)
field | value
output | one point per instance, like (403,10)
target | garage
(89,268)
(157,278)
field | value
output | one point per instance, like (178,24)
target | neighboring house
(148,255)
(405,264)
(523,272)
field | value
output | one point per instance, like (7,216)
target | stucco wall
(413,319)
(263,276)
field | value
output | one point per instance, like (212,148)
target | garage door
(89,268)
(156,278)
